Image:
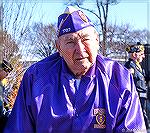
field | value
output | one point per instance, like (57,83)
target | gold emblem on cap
(83,16)
(141,47)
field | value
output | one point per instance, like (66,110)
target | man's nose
(80,47)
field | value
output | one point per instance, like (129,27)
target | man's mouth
(80,58)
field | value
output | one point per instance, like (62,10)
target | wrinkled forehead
(89,31)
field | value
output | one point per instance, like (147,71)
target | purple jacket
(49,102)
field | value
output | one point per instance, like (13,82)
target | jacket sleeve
(21,119)
(130,117)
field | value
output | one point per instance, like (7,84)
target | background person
(136,56)
(75,89)
(5,69)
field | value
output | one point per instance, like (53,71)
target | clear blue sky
(135,13)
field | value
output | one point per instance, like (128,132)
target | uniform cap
(135,48)
(72,20)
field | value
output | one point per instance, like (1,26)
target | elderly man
(136,56)
(76,90)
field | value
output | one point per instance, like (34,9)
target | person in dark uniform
(5,68)
(136,56)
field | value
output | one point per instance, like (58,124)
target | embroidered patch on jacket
(100,116)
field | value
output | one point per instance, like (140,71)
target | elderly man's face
(79,49)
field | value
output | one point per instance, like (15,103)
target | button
(75,112)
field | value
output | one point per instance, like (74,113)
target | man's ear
(57,42)
(134,54)
(97,39)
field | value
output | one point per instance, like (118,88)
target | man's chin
(83,66)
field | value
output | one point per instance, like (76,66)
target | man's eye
(69,42)
(85,39)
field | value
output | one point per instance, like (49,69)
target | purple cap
(72,20)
